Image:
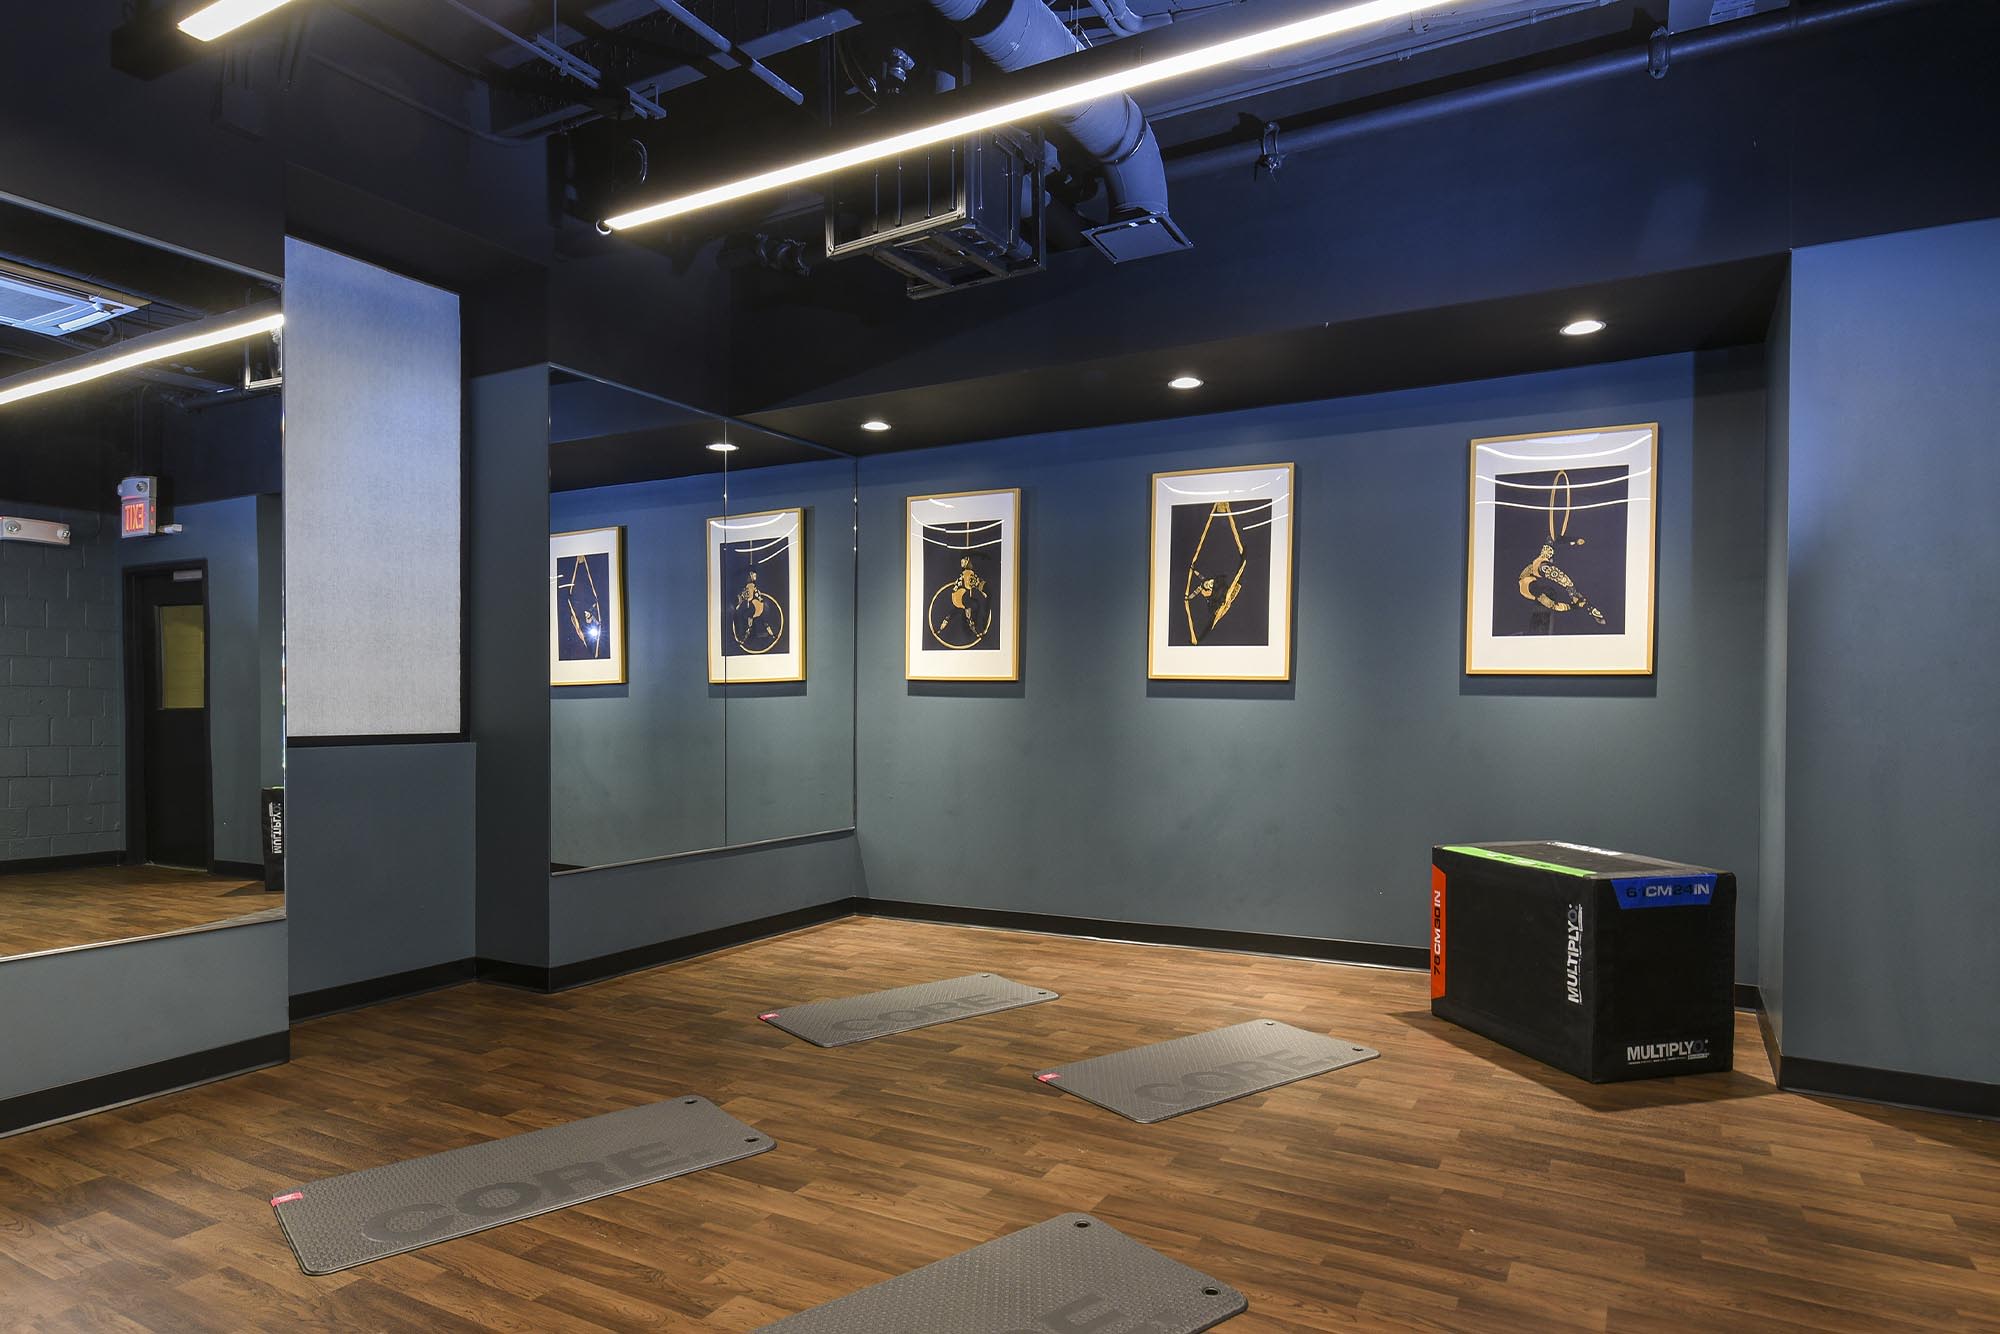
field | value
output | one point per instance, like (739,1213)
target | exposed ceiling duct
(1111,133)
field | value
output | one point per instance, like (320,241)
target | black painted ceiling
(606,435)
(1711,307)
(70,448)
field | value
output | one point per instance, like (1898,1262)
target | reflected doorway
(167,683)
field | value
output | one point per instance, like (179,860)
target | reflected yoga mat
(836,1023)
(1150,1084)
(1070,1273)
(349,1220)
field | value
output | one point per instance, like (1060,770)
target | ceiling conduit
(1111,132)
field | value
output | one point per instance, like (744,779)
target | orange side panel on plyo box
(1437,933)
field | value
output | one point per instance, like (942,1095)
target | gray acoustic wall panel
(372,464)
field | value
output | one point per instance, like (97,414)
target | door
(166,652)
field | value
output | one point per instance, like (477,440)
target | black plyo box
(1604,964)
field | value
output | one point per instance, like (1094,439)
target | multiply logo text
(1573,955)
(1653,1053)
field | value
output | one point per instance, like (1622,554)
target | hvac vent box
(1604,964)
(1144,237)
(947,217)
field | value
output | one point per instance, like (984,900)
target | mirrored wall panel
(141,605)
(701,630)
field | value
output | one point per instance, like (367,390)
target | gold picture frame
(1256,647)
(771,642)
(587,629)
(1572,609)
(935,646)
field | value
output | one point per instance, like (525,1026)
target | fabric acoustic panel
(372,475)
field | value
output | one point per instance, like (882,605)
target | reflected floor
(52,910)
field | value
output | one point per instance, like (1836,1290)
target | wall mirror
(701,630)
(141,602)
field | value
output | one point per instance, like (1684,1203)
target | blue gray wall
(614,908)
(507,629)
(668,762)
(1777,480)
(636,770)
(379,863)
(1893,698)
(1310,808)
(62,733)
(108,1008)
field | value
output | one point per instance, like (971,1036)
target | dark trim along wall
(1896,1088)
(107,1091)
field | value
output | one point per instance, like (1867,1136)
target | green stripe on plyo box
(1512,860)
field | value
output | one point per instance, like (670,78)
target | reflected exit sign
(138,507)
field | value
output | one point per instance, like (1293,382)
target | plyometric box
(1604,964)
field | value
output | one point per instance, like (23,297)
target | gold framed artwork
(962,586)
(587,607)
(1560,553)
(757,597)
(1220,601)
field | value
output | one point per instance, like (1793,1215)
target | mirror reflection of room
(140,567)
(692,559)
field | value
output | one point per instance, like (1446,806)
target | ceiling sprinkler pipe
(1736,35)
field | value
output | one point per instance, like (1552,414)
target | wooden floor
(50,910)
(1450,1185)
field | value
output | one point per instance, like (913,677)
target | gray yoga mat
(349,1220)
(1070,1273)
(836,1023)
(1150,1084)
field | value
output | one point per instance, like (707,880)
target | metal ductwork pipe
(1111,131)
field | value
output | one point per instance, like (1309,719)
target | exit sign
(138,507)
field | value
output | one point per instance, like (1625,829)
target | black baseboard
(375,990)
(89,1095)
(1897,1088)
(247,870)
(1413,957)
(562,977)
(72,862)
(1930,1093)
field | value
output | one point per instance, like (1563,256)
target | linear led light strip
(225,16)
(142,356)
(1346,18)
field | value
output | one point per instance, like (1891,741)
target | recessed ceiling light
(226,16)
(1026,110)
(1578,328)
(723,447)
(874,424)
(1185,382)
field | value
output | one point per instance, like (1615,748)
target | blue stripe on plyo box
(1663,891)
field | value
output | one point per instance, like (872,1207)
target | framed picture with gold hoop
(757,597)
(962,586)
(1220,603)
(1560,570)
(587,608)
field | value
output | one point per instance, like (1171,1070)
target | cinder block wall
(61,705)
